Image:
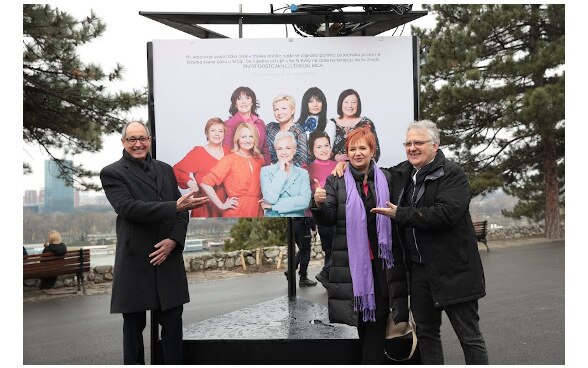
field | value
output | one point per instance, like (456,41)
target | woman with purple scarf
(367,279)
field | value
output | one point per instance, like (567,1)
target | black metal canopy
(367,23)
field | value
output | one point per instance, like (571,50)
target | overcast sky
(124,41)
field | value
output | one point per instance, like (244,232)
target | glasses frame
(417,144)
(134,140)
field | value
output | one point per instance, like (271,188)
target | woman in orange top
(239,173)
(198,162)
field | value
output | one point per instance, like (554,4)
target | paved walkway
(522,315)
(31,294)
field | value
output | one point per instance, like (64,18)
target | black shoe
(323,279)
(305,281)
(286,274)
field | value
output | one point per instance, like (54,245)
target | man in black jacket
(431,212)
(151,226)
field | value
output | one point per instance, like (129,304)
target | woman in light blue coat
(285,187)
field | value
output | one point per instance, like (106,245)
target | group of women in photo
(251,169)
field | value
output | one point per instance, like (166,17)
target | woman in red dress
(191,169)
(239,172)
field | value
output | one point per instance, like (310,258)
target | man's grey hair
(285,134)
(124,130)
(429,126)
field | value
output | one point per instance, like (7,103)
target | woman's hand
(192,184)
(264,204)
(231,202)
(320,195)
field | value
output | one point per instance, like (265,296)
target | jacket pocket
(130,246)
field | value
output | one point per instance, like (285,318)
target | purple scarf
(360,263)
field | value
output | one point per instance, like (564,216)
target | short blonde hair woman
(54,245)
(54,237)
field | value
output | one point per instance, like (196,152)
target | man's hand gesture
(389,211)
(339,169)
(188,201)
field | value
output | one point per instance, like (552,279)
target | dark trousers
(463,317)
(372,335)
(302,238)
(171,335)
(327,234)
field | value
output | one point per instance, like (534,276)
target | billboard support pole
(291,260)
(241,21)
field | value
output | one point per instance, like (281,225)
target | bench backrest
(48,264)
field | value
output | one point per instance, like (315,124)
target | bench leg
(486,244)
(80,278)
(83,283)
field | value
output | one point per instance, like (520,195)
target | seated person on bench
(54,245)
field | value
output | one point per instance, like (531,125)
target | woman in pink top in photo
(319,146)
(239,172)
(190,170)
(243,109)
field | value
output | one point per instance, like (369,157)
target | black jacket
(57,249)
(443,230)
(146,215)
(340,290)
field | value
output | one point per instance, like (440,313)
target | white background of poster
(194,79)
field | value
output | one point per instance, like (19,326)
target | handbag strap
(414,337)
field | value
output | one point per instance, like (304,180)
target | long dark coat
(443,230)
(340,288)
(146,215)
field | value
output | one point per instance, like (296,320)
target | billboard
(252,122)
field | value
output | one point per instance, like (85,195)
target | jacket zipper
(413,230)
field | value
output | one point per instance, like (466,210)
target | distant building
(30,201)
(59,193)
(30,197)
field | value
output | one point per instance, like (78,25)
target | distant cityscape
(57,195)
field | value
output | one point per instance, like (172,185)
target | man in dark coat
(431,212)
(151,229)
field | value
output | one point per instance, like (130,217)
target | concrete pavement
(522,317)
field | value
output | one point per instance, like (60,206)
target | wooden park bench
(480,229)
(74,262)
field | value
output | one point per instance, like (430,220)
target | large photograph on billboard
(252,123)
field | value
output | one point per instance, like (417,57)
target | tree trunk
(552,218)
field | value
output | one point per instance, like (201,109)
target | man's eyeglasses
(135,139)
(417,144)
